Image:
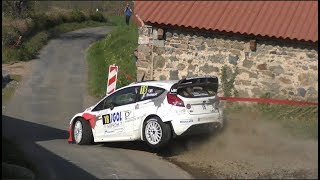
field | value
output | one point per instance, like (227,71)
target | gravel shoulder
(248,147)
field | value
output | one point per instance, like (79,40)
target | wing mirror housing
(111,106)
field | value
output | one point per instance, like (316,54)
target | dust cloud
(248,147)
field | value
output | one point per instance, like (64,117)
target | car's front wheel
(156,133)
(82,133)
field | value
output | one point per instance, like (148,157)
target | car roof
(166,84)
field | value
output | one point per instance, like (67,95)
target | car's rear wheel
(82,133)
(156,133)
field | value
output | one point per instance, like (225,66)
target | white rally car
(152,111)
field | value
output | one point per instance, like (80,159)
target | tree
(20,8)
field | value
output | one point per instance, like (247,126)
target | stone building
(274,45)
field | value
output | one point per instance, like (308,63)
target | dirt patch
(19,68)
(248,147)
(16,71)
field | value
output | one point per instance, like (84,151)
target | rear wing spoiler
(213,80)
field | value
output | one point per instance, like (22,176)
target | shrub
(40,20)
(30,27)
(34,44)
(21,25)
(97,16)
(9,36)
(77,16)
(55,19)
(9,55)
(227,82)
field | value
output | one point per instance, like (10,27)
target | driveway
(37,117)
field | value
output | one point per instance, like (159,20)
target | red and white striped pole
(112,79)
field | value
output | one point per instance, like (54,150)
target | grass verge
(300,121)
(29,49)
(117,48)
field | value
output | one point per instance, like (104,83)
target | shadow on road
(177,145)
(49,165)
(5,81)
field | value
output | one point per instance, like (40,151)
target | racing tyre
(82,133)
(156,133)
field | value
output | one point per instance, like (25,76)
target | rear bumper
(190,124)
(202,128)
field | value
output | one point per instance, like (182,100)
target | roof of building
(280,19)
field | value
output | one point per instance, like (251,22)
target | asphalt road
(37,117)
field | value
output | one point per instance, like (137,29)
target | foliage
(117,48)
(17,9)
(107,8)
(97,16)
(77,16)
(38,28)
(227,81)
(31,46)
(300,121)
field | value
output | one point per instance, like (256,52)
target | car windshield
(202,90)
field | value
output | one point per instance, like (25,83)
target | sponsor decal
(112,118)
(127,114)
(199,94)
(129,120)
(186,121)
(109,131)
(151,95)
(143,89)
(113,131)
(173,90)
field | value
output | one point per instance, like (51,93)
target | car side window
(119,98)
(124,97)
(100,105)
(149,92)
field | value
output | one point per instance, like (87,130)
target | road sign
(112,79)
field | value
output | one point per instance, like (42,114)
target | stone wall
(285,69)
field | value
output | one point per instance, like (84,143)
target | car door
(118,115)
(98,130)
(150,98)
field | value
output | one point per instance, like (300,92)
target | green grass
(117,48)
(29,49)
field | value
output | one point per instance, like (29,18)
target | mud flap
(70,139)
(89,117)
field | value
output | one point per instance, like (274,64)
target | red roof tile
(280,19)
